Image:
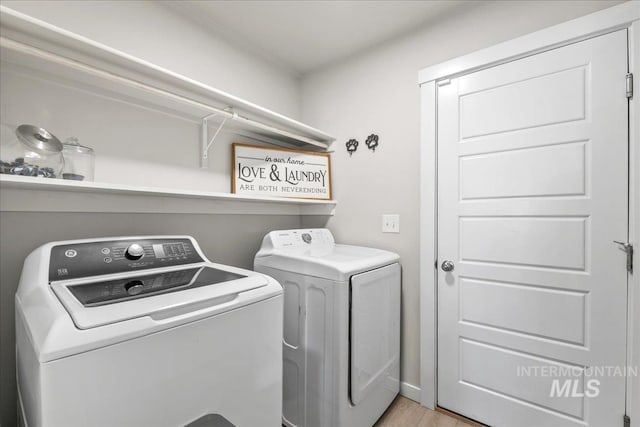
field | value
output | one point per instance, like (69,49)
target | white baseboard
(410,391)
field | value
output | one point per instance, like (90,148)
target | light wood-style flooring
(404,412)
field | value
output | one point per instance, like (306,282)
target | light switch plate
(391,223)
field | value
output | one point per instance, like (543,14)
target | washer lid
(330,261)
(159,294)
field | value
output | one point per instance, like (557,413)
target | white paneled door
(532,192)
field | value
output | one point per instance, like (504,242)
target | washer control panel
(79,260)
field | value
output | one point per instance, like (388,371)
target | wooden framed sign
(279,172)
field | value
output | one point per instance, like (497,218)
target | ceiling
(304,35)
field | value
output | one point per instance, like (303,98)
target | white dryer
(145,331)
(341,343)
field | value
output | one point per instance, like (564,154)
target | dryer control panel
(79,260)
(284,239)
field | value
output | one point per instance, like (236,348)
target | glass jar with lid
(79,161)
(30,151)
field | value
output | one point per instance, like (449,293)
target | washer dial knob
(134,287)
(134,251)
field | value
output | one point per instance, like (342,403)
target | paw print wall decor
(372,142)
(352,145)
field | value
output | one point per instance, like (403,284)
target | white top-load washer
(341,343)
(145,331)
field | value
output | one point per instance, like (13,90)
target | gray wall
(377,92)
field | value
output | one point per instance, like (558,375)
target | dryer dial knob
(134,251)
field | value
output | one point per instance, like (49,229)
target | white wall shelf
(27,194)
(55,54)
(32,47)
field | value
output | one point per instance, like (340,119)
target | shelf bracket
(206,143)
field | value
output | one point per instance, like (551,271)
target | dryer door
(375,331)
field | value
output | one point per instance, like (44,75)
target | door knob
(447,265)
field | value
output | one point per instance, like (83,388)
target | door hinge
(629,85)
(626,421)
(628,248)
